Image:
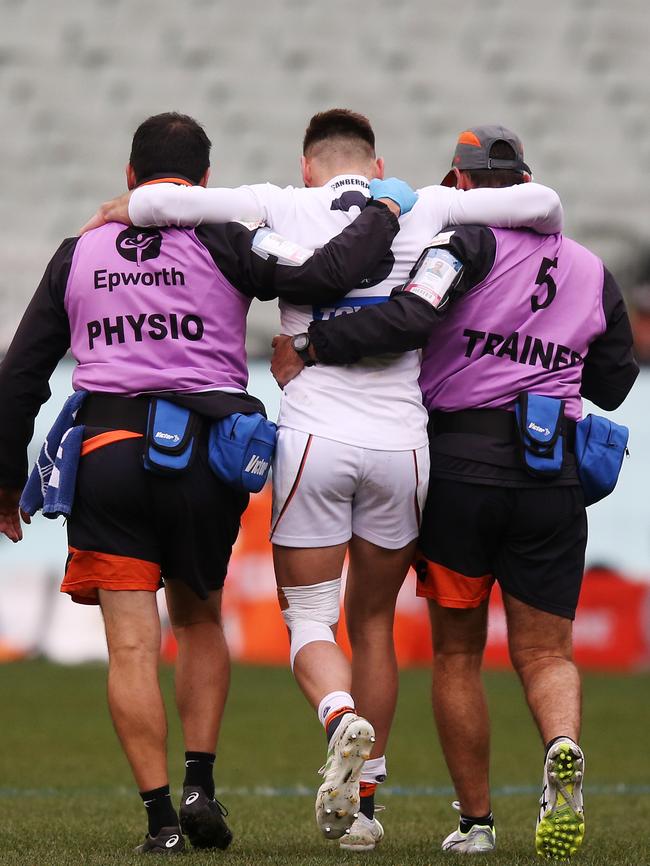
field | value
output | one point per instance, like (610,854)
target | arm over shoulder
(264,265)
(476,248)
(169,204)
(399,325)
(525,205)
(406,321)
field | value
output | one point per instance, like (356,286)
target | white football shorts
(326,491)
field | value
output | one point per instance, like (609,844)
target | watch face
(300,342)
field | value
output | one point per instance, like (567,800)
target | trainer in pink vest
(526,327)
(150,311)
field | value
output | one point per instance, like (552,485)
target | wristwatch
(301,344)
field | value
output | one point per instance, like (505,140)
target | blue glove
(395,189)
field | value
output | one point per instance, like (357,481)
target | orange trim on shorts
(88,570)
(450,588)
(294,487)
(107,438)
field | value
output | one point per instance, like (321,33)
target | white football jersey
(376,403)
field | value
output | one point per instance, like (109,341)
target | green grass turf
(66,795)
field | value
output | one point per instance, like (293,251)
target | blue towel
(59,495)
(56,466)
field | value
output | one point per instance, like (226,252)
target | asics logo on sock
(172,841)
(192,798)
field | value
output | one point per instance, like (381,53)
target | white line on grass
(305,791)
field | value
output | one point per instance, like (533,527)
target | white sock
(374,770)
(332,702)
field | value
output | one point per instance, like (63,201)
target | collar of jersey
(348,180)
(179,180)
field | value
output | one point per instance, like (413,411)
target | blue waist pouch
(540,426)
(172,433)
(240,450)
(601,446)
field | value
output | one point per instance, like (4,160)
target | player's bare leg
(202,681)
(375,576)
(320,667)
(459,702)
(541,649)
(133,637)
(202,666)
(309,592)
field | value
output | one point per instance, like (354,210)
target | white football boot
(561,819)
(364,834)
(479,839)
(337,800)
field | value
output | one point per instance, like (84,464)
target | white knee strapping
(311,612)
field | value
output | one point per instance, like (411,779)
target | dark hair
(496,177)
(170,143)
(339,123)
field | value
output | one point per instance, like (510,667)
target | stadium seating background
(77,78)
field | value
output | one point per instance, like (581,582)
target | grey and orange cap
(473,152)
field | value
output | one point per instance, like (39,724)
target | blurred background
(573,79)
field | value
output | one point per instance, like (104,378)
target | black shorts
(531,540)
(130,528)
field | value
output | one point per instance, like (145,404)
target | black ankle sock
(331,728)
(554,740)
(198,771)
(367,806)
(160,812)
(468,821)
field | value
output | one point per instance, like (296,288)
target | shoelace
(221,807)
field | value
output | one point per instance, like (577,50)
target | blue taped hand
(395,189)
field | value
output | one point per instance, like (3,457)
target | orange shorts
(87,571)
(129,528)
(450,588)
(530,539)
